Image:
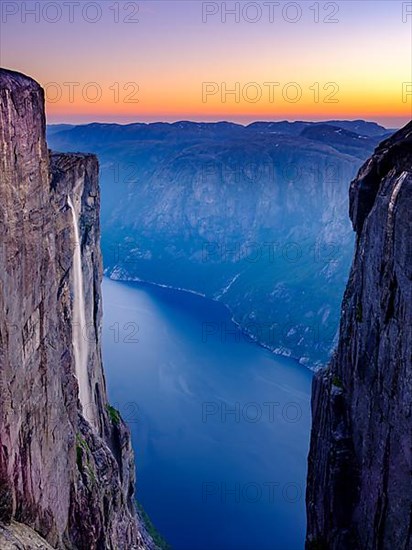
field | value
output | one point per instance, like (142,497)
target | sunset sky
(281,59)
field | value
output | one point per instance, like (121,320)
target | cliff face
(359,493)
(66,464)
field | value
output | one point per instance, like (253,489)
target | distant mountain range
(255,216)
(359,127)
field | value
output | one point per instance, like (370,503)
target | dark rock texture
(69,479)
(359,493)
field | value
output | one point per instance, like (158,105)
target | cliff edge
(66,462)
(359,493)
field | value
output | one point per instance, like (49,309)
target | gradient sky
(171,52)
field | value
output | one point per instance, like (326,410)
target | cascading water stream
(80,343)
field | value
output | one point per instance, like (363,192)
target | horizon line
(222,121)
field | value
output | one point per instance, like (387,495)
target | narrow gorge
(67,472)
(67,477)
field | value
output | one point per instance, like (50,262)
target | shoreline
(252,338)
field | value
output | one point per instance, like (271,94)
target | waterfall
(80,343)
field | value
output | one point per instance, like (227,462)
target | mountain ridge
(176,198)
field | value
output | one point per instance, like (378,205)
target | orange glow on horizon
(163,60)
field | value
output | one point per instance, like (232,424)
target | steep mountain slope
(253,216)
(66,464)
(359,494)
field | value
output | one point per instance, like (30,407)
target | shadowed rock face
(359,493)
(70,481)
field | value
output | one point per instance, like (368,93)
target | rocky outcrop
(359,493)
(66,465)
(19,536)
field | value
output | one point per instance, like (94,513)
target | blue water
(220,426)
